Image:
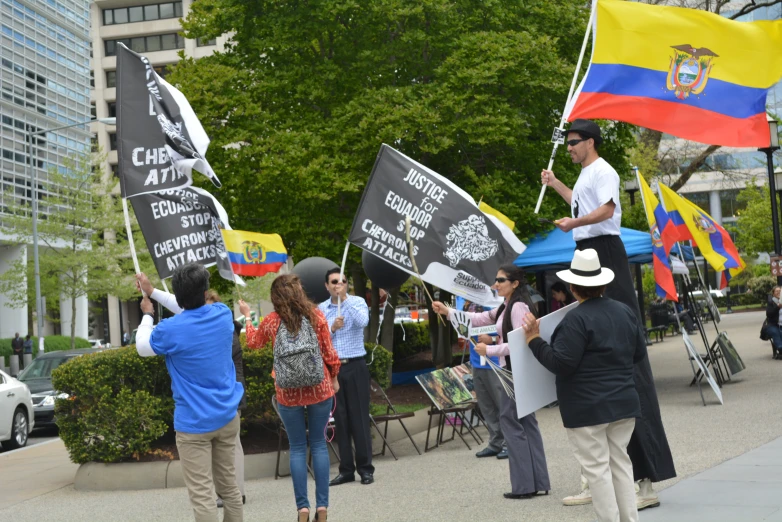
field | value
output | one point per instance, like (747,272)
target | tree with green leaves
(79,255)
(753,228)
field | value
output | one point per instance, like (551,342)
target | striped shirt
(348,340)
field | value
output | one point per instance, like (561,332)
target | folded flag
(491,211)
(690,73)
(254,254)
(663,276)
(693,223)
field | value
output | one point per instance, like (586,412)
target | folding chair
(281,429)
(377,395)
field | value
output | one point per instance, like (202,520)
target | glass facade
(147,44)
(145,13)
(44,83)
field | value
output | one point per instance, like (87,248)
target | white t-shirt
(596,185)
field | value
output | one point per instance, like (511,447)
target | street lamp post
(773,146)
(34,195)
(631,187)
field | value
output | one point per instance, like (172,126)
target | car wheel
(19,430)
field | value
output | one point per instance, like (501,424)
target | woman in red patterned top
(293,309)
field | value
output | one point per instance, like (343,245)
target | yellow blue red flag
(663,276)
(690,73)
(254,254)
(693,223)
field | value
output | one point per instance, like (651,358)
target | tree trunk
(374,316)
(442,354)
(387,328)
(73,323)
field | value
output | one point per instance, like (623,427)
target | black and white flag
(183,226)
(457,247)
(159,138)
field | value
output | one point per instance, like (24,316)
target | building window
(202,42)
(112,109)
(111,79)
(112,141)
(115,170)
(125,15)
(142,44)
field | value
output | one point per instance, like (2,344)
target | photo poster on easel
(444,388)
(533,385)
(477,331)
(701,366)
(729,353)
(464,372)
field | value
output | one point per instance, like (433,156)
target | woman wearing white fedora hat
(592,353)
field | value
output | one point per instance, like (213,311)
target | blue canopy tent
(554,251)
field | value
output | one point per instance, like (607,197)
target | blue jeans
(294,420)
(776,335)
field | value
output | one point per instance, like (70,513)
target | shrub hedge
(52,343)
(120,403)
(410,339)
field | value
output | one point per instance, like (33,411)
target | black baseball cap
(587,129)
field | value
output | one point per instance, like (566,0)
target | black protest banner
(183,226)
(159,138)
(457,247)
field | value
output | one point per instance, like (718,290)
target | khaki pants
(208,455)
(602,452)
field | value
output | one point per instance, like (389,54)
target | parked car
(38,377)
(16,412)
(99,343)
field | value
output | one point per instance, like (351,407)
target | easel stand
(458,413)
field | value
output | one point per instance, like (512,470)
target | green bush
(52,343)
(120,403)
(414,339)
(761,286)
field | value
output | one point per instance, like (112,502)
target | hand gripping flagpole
(557,136)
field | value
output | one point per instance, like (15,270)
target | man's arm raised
(547,177)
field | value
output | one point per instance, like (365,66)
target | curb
(134,476)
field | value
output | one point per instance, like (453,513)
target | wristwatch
(149,314)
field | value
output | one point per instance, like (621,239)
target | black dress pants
(352,418)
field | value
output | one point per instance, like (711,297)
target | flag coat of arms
(663,276)
(690,73)
(457,247)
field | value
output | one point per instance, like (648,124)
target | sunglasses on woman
(501,279)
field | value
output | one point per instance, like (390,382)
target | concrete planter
(96,476)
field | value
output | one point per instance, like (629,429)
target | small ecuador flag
(663,276)
(254,254)
(486,209)
(712,240)
(690,73)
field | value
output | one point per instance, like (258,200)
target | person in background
(296,321)
(592,353)
(560,297)
(527,458)
(28,344)
(775,319)
(347,316)
(197,346)
(489,392)
(17,349)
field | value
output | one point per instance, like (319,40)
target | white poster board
(533,385)
(702,366)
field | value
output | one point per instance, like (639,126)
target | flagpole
(569,96)
(341,276)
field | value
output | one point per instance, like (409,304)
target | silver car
(16,412)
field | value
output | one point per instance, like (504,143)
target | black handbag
(764,336)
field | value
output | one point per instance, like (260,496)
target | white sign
(702,366)
(480,330)
(533,385)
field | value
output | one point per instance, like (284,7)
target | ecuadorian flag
(663,277)
(690,73)
(254,254)
(693,223)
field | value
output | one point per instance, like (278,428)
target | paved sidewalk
(33,471)
(745,489)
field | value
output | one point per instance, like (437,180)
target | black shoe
(244,500)
(487,452)
(503,454)
(367,479)
(342,478)
(519,496)
(219,502)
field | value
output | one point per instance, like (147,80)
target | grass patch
(380,409)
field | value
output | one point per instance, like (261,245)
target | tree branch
(693,167)
(751,6)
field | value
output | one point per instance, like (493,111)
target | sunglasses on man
(573,143)
(336,281)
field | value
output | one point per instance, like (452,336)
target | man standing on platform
(347,316)
(17,347)
(595,222)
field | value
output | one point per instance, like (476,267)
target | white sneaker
(585,497)
(646,496)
